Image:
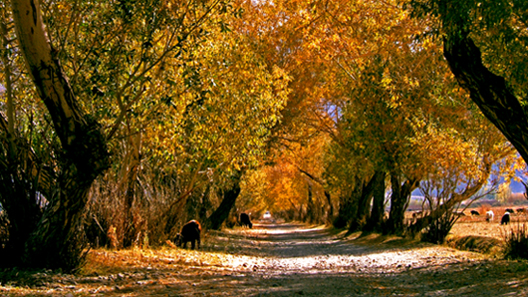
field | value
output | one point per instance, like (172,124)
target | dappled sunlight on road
(291,249)
(288,260)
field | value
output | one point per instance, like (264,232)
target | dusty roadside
(287,260)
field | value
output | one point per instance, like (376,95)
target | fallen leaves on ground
(281,260)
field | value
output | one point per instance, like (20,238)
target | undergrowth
(516,242)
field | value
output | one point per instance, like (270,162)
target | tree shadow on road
(300,240)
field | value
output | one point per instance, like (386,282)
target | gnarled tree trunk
(490,92)
(375,220)
(56,242)
(359,219)
(401,193)
(230,196)
(348,205)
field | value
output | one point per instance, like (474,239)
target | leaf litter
(281,260)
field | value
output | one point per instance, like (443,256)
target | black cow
(521,210)
(189,232)
(245,221)
(505,218)
(475,213)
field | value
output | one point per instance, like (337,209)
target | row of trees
(123,119)
(390,112)
(156,98)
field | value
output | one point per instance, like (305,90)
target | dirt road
(296,260)
(290,260)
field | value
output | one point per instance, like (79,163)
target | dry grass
(476,234)
(477,225)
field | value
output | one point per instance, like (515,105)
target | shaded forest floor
(282,260)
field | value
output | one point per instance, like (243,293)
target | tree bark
(348,205)
(490,92)
(375,221)
(359,219)
(311,215)
(4,56)
(57,243)
(401,194)
(218,217)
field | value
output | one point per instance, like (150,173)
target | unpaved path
(296,260)
(290,260)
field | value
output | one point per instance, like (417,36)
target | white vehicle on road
(267,215)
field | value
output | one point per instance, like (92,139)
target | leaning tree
(55,242)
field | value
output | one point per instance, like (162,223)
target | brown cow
(189,232)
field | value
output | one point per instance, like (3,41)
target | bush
(516,242)
(437,231)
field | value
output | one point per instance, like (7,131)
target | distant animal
(475,213)
(505,218)
(509,210)
(417,214)
(189,232)
(520,210)
(489,216)
(245,221)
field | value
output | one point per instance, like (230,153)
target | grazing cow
(509,210)
(505,218)
(245,221)
(489,216)
(475,213)
(521,210)
(189,232)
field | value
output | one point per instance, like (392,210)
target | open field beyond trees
(289,259)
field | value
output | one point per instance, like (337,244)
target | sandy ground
(290,260)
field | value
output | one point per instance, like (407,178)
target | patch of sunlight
(293,230)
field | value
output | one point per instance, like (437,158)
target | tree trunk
(348,206)
(310,209)
(18,188)
(4,56)
(401,193)
(374,223)
(327,195)
(218,217)
(57,243)
(359,219)
(331,206)
(490,92)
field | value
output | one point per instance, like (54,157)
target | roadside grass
(516,242)
(474,233)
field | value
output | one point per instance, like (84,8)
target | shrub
(437,231)
(516,242)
